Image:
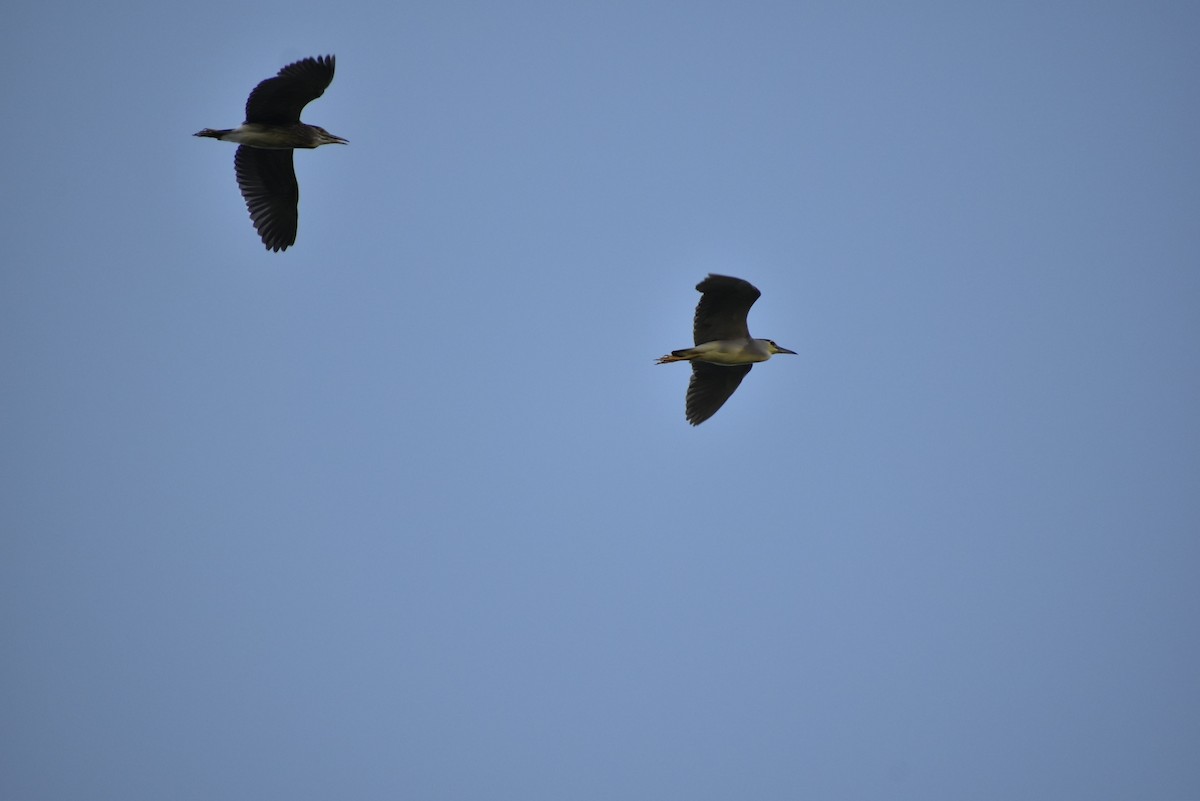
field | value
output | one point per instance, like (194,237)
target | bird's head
(324,137)
(776,349)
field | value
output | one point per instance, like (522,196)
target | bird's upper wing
(279,100)
(721,313)
(710,387)
(268,183)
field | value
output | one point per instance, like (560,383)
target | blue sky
(408,511)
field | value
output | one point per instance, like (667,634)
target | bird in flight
(724,350)
(272,130)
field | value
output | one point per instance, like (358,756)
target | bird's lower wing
(710,387)
(268,183)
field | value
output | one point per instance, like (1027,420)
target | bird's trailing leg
(676,356)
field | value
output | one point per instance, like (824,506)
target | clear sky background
(408,511)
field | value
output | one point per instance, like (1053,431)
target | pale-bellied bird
(271,132)
(724,350)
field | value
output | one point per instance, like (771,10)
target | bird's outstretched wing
(722,311)
(268,183)
(710,387)
(279,100)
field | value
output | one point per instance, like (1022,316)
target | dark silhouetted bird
(266,139)
(724,350)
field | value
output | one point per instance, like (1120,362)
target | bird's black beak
(785,350)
